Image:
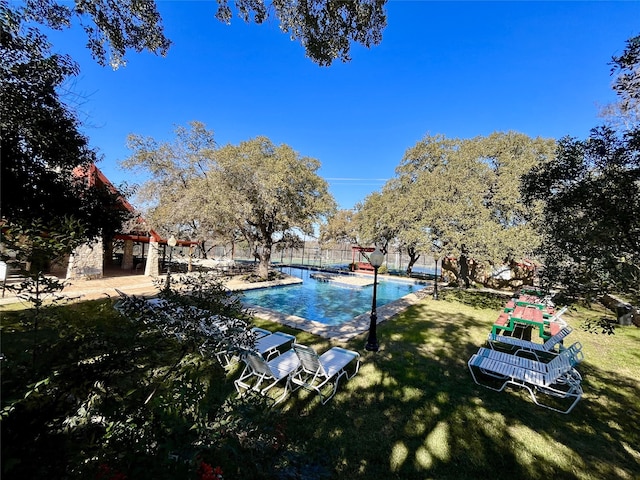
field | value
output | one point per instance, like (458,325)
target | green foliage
(41,143)
(35,246)
(38,243)
(375,219)
(590,196)
(111,27)
(204,291)
(325,29)
(42,294)
(138,393)
(627,79)
(591,199)
(177,189)
(40,139)
(339,229)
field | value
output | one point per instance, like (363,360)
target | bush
(273,275)
(132,395)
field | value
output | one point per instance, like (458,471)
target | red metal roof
(94,176)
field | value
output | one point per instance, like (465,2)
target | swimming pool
(328,303)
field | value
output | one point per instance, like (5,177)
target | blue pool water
(326,302)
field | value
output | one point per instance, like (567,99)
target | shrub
(136,394)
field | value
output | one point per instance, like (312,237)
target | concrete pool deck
(141,285)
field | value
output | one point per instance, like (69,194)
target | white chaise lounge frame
(516,344)
(557,378)
(258,371)
(315,372)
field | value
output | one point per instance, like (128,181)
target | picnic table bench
(364,266)
(530,316)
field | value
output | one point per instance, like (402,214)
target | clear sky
(460,69)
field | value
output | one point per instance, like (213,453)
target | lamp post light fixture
(375,259)
(435,282)
(172,242)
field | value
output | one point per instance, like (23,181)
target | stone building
(137,249)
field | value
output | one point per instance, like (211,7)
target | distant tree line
(457,201)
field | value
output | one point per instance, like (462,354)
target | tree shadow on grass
(108,386)
(414,411)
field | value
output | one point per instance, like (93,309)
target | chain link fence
(311,255)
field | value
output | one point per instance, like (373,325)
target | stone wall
(86,262)
(626,313)
(152,268)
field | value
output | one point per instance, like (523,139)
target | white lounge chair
(264,342)
(496,341)
(260,332)
(570,358)
(257,370)
(315,372)
(557,378)
(270,345)
(557,316)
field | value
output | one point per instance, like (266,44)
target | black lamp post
(172,242)
(435,285)
(375,259)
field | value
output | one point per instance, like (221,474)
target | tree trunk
(450,266)
(464,270)
(413,258)
(264,258)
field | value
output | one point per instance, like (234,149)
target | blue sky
(460,69)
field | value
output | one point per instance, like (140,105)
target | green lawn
(414,412)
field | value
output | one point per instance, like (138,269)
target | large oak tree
(263,192)
(269,192)
(460,199)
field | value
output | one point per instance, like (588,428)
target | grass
(414,412)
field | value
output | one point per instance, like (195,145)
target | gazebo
(359,265)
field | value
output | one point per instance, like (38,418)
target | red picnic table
(526,300)
(525,315)
(529,301)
